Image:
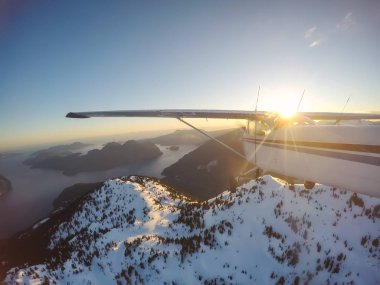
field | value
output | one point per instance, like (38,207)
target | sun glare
(284,100)
(287,113)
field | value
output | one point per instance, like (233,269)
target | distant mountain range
(194,175)
(69,160)
(138,231)
(110,156)
(54,151)
(51,157)
(7,154)
(185,137)
(202,174)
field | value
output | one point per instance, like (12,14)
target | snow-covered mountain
(137,231)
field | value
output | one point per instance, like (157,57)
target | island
(110,156)
(58,150)
(5,186)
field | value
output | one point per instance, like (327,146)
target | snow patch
(135,231)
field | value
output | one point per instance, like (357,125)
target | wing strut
(214,139)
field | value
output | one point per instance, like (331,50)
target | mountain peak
(135,230)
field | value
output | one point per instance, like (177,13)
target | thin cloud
(314,37)
(310,32)
(347,22)
(314,44)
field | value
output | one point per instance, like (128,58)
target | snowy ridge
(134,231)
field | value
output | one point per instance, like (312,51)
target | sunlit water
(33,190)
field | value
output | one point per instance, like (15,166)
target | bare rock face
(5,185)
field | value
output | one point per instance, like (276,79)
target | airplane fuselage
(344,156)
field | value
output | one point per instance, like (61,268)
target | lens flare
(287,113)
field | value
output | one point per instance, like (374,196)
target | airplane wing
(219,114)
(173,113)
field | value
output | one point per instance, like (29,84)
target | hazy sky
(61,56)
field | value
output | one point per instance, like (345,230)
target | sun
(286,107)
(287,112)
(284,100)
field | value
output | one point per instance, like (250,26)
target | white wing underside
(219,114)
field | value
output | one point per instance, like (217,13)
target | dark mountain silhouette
(110,156)
(64,157)
(209,169)
(184,137)
(59,150)
(5,185)
(73,193)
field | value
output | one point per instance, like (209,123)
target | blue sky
(61,56)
